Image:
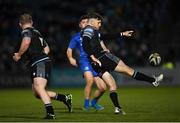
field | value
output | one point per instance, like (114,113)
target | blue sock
(86,103)
(93,102)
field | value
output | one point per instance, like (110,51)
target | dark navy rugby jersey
(36,49)
(91,39)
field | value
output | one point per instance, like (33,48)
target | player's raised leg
(123,68)
(66,99)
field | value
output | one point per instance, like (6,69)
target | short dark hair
(83,17)
(94,15)
(25,18)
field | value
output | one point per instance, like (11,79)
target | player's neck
(26,26)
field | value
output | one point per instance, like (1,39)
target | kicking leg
(123,68)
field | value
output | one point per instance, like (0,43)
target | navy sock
(49,109)
(143,77)
(60,97)
(114,98)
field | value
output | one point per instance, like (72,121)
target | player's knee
(89,81)
(37,96)
(125,69)
(103,88)
(89,84)
(38,86)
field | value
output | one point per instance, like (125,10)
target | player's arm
(95,60)
(23,48)
(69,52)
(88,49)
(104,46)
(127,33)
(116,35)
(72,60)
(46,48)
(87,36)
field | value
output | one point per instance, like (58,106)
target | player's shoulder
(26,30)
(76,37)
(88,29)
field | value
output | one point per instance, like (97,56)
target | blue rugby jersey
(76,42)
(84,64)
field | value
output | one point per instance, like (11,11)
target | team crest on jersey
(86,68)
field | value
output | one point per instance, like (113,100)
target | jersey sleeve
(110,36)
(72,43)
(87,35)
(26,34)
(88,32)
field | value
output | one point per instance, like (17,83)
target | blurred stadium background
(155,22)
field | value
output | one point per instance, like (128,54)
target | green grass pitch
(140,104)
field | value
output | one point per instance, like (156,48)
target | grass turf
(140,104)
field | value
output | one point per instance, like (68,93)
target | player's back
(37,45)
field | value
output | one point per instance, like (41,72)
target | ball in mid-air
(155,59)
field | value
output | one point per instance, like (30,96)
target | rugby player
(36,50)
(87,70)
(104,61)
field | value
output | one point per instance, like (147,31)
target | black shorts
(41,69)
(108,61)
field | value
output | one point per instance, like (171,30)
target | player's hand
(16,57)
(94,59)
(98,62)
(127,33)
(73,62)
(107,50)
